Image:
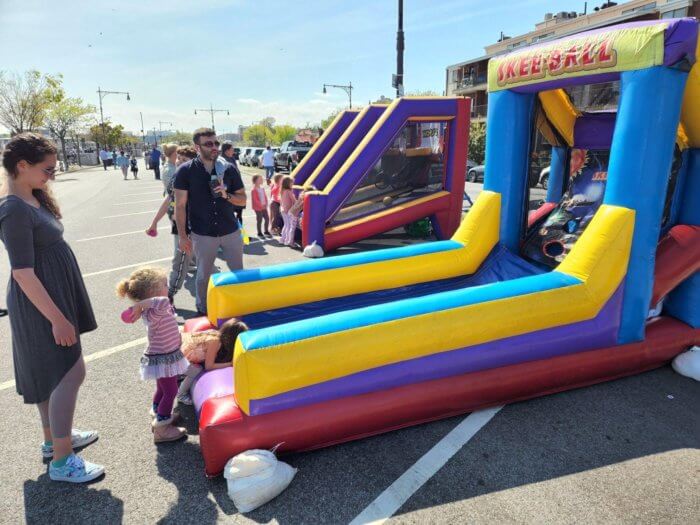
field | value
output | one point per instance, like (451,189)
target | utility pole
(160,126)
(347,88)
(103,94)
(398,78)
(211,111)
(143,135)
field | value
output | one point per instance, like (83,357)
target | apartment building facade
(469,78)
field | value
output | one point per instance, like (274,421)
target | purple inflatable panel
(599,332)
(215,383)
(594,130)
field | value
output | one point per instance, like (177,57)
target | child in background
(275,214)
(134,167)
(287,206)
(163,360)
(210,349)
(259,199)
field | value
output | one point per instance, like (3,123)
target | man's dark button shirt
(208,215)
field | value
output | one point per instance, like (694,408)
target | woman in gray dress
(48,304)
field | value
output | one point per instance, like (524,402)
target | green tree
(477,141)
(110,136)
(330,118)
(258,135)
(25,98)
(63,118)
(423,93)
(283,133)
(179,137)
(268,122)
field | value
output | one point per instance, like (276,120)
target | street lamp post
(102,94)
(211,111)
(143,135)
(398,80)
(347,89)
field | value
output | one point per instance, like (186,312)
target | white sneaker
(76,470)
(185,399)
(688,363)
(78,439)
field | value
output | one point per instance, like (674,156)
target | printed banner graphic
(605,52)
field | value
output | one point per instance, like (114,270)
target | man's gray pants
(205,249)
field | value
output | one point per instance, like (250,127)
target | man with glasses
(214,189)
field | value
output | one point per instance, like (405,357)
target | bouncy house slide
(356,345)
(383,167)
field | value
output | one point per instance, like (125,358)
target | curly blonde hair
(142,283)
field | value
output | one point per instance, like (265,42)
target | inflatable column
(640,160)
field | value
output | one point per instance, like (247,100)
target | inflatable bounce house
(383,167)
(350,346)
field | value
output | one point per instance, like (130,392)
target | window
(542,37)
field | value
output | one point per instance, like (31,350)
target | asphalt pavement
(624,451)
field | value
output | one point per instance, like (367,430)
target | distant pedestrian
(123,163)
(155,162)
(268,163)
(104,157)
(259,199)
(134,167)
(212,188)
(48,304)
(228,153)
(170,155)
(114,158)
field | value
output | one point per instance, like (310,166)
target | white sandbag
(313,251)
(688,363)
(255,477)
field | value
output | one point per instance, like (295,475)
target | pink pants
(289,228)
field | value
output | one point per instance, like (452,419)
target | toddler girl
(259,199)
(275,215)
(163,360)
(210,349)
(287,202)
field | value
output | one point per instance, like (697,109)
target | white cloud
(249,101)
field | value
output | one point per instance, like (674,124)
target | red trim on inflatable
(450,219)
(344,236)
(535,215)
(225,431)
(677,258)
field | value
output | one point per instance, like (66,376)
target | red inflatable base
(226,431)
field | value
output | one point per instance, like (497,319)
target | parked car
(245,155)
(476,173)
(290,153)
(544,177)
(254,157)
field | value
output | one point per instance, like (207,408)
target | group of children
(171,356)
(284,208)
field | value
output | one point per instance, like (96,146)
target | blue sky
(255,58)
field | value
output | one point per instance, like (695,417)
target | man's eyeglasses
(210,144)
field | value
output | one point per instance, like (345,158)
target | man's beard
(209,156)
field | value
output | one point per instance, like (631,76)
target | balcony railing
(479,111)
(471,81)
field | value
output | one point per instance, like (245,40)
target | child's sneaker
(75,470)
(78,439)
(164,431)
(185,399)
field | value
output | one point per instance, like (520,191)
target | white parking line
(128,214)
(152,192)
(391,500)
(142,232)
(136,202)
(127,266)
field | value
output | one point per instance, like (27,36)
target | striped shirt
(161,324)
